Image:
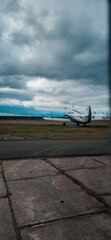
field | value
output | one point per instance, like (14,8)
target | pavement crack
(31,178)
(105,194)
(81,168)
(8,194)
(98,161)
(42,223)
(89,191)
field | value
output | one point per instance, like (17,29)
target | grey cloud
(59,52)
(10,6)
(14,95)
(2,27)
(17,82)
(64,65)
(20,38)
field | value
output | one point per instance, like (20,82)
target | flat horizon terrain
(52,129)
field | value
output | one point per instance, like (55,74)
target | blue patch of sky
(28,111)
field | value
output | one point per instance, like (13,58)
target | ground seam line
(18,236)
(39,224)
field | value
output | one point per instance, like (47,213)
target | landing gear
(78,124)
(64,124)
(84,125)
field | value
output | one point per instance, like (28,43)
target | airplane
(71,116)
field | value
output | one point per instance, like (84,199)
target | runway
(17,149)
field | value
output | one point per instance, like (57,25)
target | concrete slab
(107,199)
(97,179)
(74,163)
(49,198)
(85,228)
(2,187)
(29,168)
(7,231)
(105,159)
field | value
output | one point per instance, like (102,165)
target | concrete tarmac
(55,198)
(14,149)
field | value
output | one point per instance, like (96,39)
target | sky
(53,54)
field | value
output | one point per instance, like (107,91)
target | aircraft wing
(56,119)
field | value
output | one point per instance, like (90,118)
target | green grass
(52,130)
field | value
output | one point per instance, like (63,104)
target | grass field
(52,130)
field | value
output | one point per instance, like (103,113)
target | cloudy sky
(53,54)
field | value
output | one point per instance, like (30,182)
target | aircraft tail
(89,114)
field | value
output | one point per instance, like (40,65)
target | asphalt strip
(17,149)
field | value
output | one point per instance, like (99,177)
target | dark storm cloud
(63,42)
(53,40)
(17,82)
(22,96)
(20,38)
(10,6)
